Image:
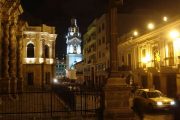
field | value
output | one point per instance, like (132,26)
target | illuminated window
(30,50)
(75,49)
(46,51)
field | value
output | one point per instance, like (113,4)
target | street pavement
(156,116)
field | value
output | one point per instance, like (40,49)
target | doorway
(171,85)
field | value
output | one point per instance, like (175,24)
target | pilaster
(19,63)
(5,81)
(0,45)
(116,91)
(12,57)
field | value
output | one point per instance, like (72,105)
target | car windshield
(153,94)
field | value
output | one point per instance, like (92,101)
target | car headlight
(159,103)
(172,102)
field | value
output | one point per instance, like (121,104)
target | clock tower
(73,41)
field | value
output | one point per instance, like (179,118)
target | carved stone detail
(5,53)
(19,63)
(12,57)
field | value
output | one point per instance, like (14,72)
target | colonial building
(11,28)
(79,67)
(96,52)
(89,53)
(154,58)
(60,68)
(39,55)
(96,43)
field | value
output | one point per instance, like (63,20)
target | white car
(146,99)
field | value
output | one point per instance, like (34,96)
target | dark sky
(59,12)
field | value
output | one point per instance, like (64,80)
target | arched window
(30,50)
(46,51)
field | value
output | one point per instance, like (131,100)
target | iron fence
(56,104)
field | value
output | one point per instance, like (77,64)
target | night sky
(59,12)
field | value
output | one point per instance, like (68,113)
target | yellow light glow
(174,34)
(41,60)
(135,33)
(146,59)
(165,19)
(176,43)
(150,26)
(167,51)
(51,61)
(30,60)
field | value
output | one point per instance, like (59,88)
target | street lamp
(165,19)
(174,34)
(55,80)
(135,33)
(150,26)
(146,59)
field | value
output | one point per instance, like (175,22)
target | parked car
(148,100)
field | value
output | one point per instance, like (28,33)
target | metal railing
(59,104)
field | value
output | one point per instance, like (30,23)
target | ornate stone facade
(38,56)
(154,58)
(96,52)
(9,14)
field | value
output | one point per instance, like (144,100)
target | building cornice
(151,34)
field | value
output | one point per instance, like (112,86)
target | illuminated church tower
(73,41)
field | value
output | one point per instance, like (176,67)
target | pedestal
(117,94)
(5,85)
(13,85)
(20,85)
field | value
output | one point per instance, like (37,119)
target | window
(30,50)
(46,51)
(144,95)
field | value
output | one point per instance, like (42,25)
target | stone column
(5,86)
(0,46)
(116,91)
(19,63)
(12,58)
